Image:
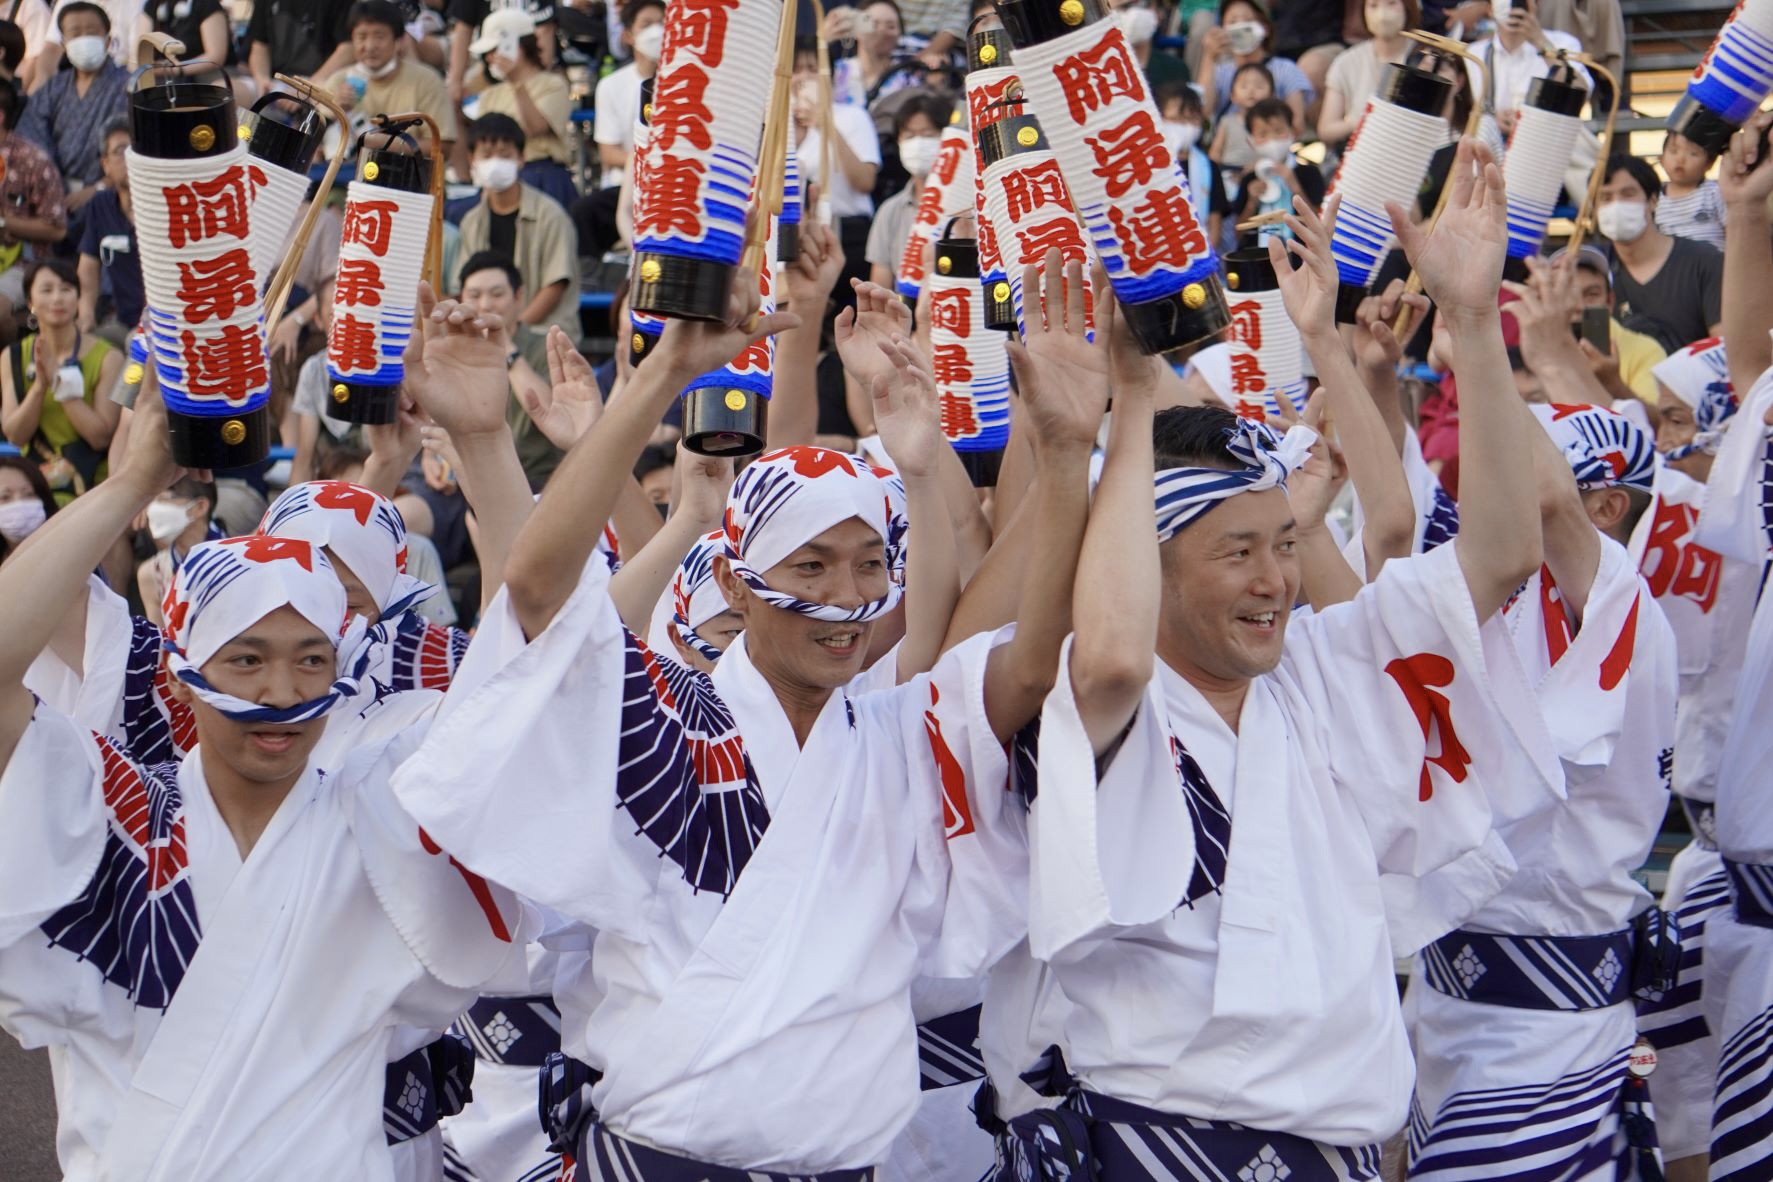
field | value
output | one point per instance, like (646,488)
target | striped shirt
(1700,215)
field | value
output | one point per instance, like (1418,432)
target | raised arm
(702,484)
(1461,267)
(1377,353)
(1063,382)
(1544,309)
(1745,179)
(794,401)
(550,552)
(1309,293)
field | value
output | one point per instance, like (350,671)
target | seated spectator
(1514,56)
(917,126)
(202,25)
(1251,84)
(67,117)
(539,100)
(1691,206)
(1244,38)
(46,50)
(110,270)
(1671,288)
(855,162)
(381,82)
(935,30)
(25,503)
(518,222)
(618,96)
(466,16)
(33,205)
(50,383)
(878,67)
(491,285)
(1277,176)
(1353,77)
(178,519)
(1138,23)
(1626,371)
(1183,116)
(300,38)
(1599,25)
(1454,18)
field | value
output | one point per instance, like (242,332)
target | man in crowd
(492,285)
(109,263)
(1671,288)
(300,38)
(67,116)
(1626,371)
(524,225)
(380,81)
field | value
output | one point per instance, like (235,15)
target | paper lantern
(1266,356)
(970,362)
(788,221)
(281,132)
(724,412)
(1028,205)
(1539,152)
(993,91)
(1733,79)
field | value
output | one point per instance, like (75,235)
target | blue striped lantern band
(724,411)
(701,156)
(1539,151)
(644,330)
(993,91)
(1732,81)
(193,223)
(1385,160)
(375,295)
(1129,191)
(970,362)
(1029,207)
(948,192)
(1266,354)
(788,221)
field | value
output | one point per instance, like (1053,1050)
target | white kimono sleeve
(1422,731)
(53,822)
(94,697)
(1731,521)
(1111,852)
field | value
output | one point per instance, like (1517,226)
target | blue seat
(596,301)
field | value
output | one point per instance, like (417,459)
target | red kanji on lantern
(700,27)
(951,363)
(681,111)
(1160,231)
(215,289)
(960,420)
(369,224)
(215,208)
(1097,76)
(673,198)
(1246,323)
(228,364)
(948,159)
(1246,374)
(1060,233)
(359,283)
(1027,189)
(951,311)
(1130,154)
(353,345)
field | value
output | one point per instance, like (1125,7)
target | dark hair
(375,12)
(12,45)
(1194,437)
(633,8)
(1269,108)
(490,260)
(892,4)
(652,458)
(12,104)
(1637,501)
(1638,170)
(1259,68)
(39,486)
(114,127)
(932,106)
(61,268)
(83,6)
(191,489)
(337,459)
(1261,15)
(1710,156)
(1183,95)
(496,129)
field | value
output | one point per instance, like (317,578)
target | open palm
(572,402)
(1460,259)
(455,365)
(864,333)
(1061,375)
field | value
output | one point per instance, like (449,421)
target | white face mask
(1180,138)
(167,521)
(1623,221)
(20,519)
(918,154)
(381,71)
(495,175)
(1274,151)
(1138,24)
(1245,36)
(649,42)
(86,54)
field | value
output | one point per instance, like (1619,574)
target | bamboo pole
(277,294)
(1585,214)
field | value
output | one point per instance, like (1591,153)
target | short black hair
(1259,68)
(633,8)
(376,12)
(191,488)
(83,6)
(114,127)
(12,45)
(1194,437)
(1710,156)
(937,108)
(12,104)
(491,260)
(1638,170)
(1266,109)
(1183,95)
(339,459)
(496,129)
(652,458)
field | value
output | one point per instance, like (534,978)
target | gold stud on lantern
(202,138)
(649,271)
(233,432)
(1071,12)
(340,392)
(944,264)
(1231,280)
(637,343)
(371,171)
(987,53)
(1027,137)
(735,400)
(1000,292)
(1194,295)
(244,132)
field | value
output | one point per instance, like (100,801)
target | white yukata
(1709,601)
(1738,523)
(1523,1041)
(1261,883)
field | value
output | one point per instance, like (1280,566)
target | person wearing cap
(383,82)
(178,928)
(538,99)
(1627,370)
(465,18)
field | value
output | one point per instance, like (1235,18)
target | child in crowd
(1277,176)
(1231,140)
(1184,120)
(1691,206)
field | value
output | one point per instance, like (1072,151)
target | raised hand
(702,485)
(809,279)
(1061,376)
(1744,175)
(1376,347)
(1309,290)
(455,366)
(572,402)
(1547,303)
(691,348)
(878,318)
(905,410)
(1312,488)
(147,457)
(1460,261)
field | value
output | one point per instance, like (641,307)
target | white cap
(500,24)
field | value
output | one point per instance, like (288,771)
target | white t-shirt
(1510,73)
(618,106)
(857,129)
